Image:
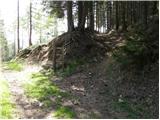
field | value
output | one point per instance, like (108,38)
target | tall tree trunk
(15,42)
(69,16)
(139,11)
(18,44)
(91,12)
(145,12)
(84,14)
(108,15)
(30,24)
(97,16)
(154,8)
(40,35)
(88,20)
(117,18)
(124,26)
(134,12)
(127,12)
(22,38)
(80,11)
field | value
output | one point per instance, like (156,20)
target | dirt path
(25,108)
(88,86)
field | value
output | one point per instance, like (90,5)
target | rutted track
(25,108)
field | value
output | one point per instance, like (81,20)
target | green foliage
(141,47)
(14,65)
(64,112)
(42,88)
(6,107)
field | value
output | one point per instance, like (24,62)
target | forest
(79,59)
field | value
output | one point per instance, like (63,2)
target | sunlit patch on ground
(48,95)
(6,107)
(14,65)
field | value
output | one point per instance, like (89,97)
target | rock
(40,104)
(89,73)
(76,102)
(95,60)
(59,96)
(120,100)
(92,86)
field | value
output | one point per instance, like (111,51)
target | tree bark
(108,15)
(96,8)
(69,16)
(124,26)
(145,13)
(117,17)
(30,25)
(84,14)
(18,44)
(154,8)
(80,10)
(91,26)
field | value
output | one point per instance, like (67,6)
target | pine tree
(30,24)
(18,41)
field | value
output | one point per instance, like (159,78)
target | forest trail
(89,87)
(89,84)
(25,108)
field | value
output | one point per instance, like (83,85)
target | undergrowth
(64,112)
(15,65)
(6,107)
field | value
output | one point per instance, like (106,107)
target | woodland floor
(90,85)
(98,89)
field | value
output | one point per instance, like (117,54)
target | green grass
(13,65)
(42,89)
(64,112)
(6,107)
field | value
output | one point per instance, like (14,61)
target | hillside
(102,88)
(80,60)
